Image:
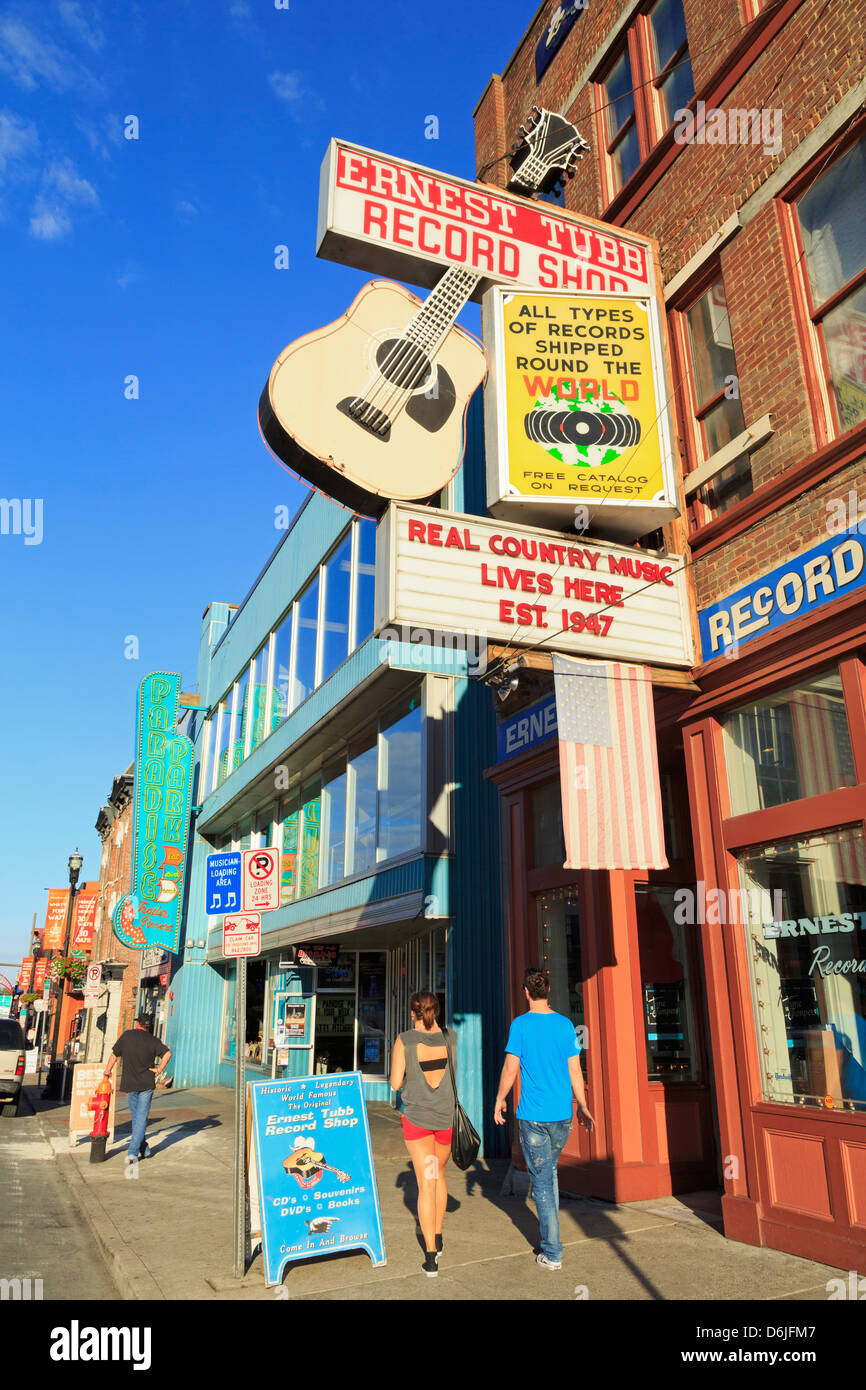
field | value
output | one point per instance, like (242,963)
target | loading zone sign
(260,879)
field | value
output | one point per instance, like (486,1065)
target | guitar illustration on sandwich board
(372,407)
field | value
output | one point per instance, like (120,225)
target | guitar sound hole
(403,364)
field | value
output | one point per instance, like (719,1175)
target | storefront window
(338,585)
(363,780)
(333,850)
(289,853)
(664,968)
(804,905)
(559,953)
(400,780)
(311,806)
(371,1012)
(548,844)
(789,745)
(282,669)
(256,979)
(335,1015)
(307,610)
(229,1029)
(366,582)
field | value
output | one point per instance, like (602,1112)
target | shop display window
(558,917)
(548,844)
(229,1031)
(665,985)
(804,909)
(792,744)
(372,1037)
(401,780)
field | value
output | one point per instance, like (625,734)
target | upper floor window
(669,59)
(718,409)
(621,122)
(710,404)
(641,91)
(332,616)
(830,217)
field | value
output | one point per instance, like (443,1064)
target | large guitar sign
(372,407)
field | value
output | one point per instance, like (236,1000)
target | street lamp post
(55,1075)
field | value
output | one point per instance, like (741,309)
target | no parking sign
(260,880)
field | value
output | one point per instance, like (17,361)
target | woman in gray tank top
(419,1068)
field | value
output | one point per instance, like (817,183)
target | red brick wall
(814,59)
(115,879)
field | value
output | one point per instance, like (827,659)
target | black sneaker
(430,1265)
(439,1244)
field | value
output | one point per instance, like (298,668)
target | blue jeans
(139,1109)
(542,1144)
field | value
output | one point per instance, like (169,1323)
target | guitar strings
(381,395)
(387,392)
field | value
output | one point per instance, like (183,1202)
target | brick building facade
(734,134)
(120,965)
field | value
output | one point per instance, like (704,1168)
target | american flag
(608,765)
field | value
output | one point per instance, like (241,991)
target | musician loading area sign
(575,407)
(313,1167)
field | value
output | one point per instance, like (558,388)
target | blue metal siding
(475,944)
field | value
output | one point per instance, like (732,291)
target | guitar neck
(438,313)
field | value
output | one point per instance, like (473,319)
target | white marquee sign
(450,572)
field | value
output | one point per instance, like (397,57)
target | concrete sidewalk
(167,1234)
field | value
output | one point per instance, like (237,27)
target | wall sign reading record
(830,570)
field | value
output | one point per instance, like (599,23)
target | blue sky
(155,258)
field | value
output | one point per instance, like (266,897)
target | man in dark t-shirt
(138,1049)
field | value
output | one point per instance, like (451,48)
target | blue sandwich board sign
(314,1174)
(223,882)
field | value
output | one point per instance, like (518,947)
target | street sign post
(261,880)
(242,937)
(92,985)
(223,882)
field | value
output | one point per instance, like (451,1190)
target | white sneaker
(546,1263)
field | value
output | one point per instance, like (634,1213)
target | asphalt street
(43,1235)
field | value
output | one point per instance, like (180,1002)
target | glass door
(559,953)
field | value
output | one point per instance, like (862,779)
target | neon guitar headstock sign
(372,408)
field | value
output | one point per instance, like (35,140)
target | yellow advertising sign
(581,400)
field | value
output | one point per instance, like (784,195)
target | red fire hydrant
(99,1104)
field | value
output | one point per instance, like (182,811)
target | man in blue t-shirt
(543,1048)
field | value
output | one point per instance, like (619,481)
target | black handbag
(465,1143)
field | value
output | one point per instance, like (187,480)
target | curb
(133,1280)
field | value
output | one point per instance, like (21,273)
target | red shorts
(410,1131)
